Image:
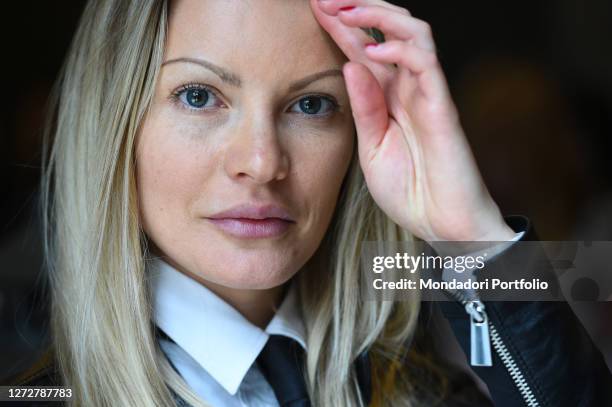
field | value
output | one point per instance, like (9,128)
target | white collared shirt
(214,346)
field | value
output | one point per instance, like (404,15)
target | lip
(251,221)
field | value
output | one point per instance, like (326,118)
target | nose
(255,152)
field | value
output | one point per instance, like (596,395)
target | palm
(412,174)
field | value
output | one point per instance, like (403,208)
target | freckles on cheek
(171,171)
(322,171)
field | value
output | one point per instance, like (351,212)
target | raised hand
(415,157)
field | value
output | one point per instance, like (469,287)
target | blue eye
(315,105)
(197,97)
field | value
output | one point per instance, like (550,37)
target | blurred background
(532,81)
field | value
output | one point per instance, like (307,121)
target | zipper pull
(480,342)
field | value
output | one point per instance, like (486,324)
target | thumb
(368,106)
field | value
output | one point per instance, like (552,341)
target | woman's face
(241,157)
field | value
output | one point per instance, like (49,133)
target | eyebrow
(234,80)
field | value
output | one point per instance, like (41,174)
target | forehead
(249,36)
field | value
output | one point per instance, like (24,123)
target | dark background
(532,80)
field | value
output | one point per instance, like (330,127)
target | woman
(214,171)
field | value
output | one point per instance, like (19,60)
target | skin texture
(251,146)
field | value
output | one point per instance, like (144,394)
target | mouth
(253,221)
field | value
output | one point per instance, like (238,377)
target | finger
(332,6)
(393,24)
(350,40)
(420,62)
(368,106)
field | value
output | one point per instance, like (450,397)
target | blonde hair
(103,335)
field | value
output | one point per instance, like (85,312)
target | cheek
(322,171)
(170,174)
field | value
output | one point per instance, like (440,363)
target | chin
(251,270)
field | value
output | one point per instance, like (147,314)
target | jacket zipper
(482,334)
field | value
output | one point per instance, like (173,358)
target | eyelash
(182,90)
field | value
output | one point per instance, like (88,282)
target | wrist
(476,242)
(498,232)
(493,230)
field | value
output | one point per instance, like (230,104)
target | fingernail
(371,44)
(347,8)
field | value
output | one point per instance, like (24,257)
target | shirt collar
(210,330)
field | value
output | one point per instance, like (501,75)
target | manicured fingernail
(347,8)
(371,44)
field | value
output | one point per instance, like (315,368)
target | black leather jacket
(549,359)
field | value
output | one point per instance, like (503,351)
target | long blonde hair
(103,335)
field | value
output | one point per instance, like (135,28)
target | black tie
(281,362)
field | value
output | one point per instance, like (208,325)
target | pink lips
(253,221)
